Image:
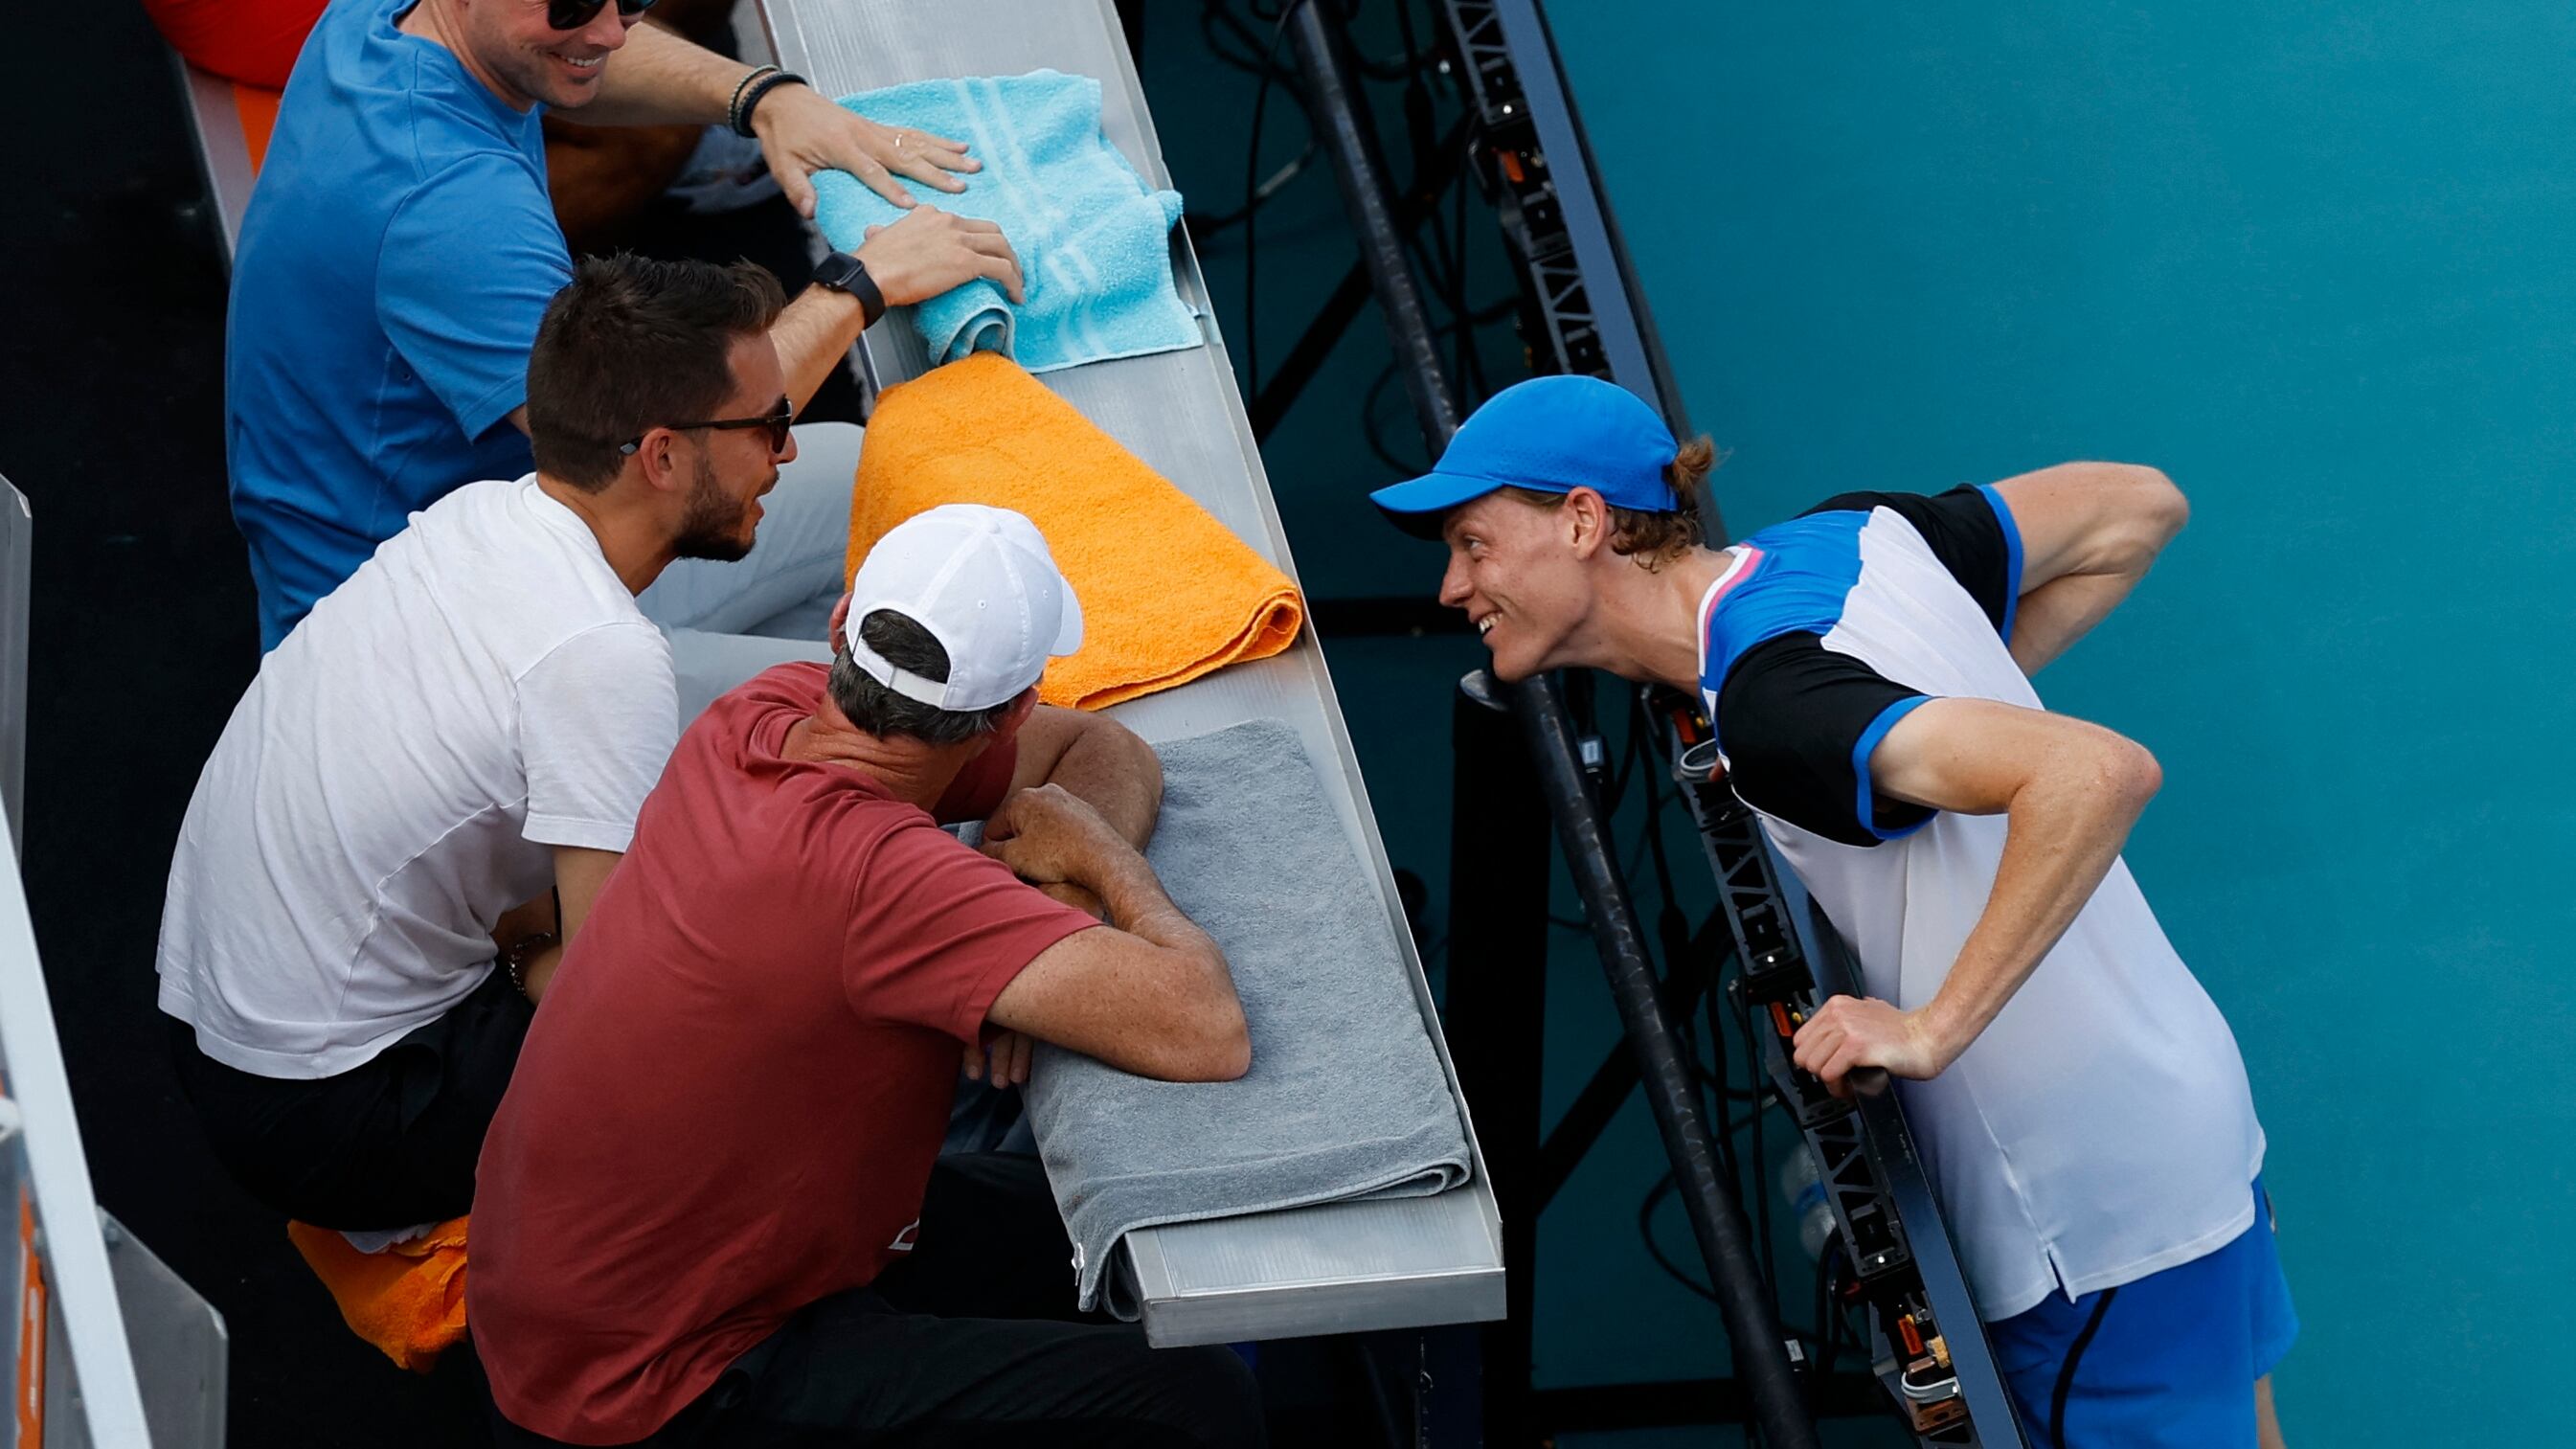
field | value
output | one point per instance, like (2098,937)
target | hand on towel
(930,251)
(802,132)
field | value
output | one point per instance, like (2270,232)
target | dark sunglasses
(574,14)
(777,420)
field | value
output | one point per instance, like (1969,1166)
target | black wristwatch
(845,273)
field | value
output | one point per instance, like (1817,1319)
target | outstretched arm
(2069,792)
(658,78)
(2089,532)
(924,254)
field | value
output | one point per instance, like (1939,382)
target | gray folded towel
(1345,1098)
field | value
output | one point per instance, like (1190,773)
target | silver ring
(898,140)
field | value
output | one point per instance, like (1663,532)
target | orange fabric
(33,1324)
(408,1300)
(1168,594)
(257,107)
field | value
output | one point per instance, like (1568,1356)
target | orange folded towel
(408,1300)
(1168,594)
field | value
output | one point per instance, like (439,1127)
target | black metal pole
(1753,1334)
(1340,112)
(1716,1214)
(1496,1009)
(1316,343)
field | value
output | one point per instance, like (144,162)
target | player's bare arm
(2070,791)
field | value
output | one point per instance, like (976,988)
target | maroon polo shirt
(729,1105)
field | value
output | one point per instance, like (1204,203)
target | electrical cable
(1655,1196)
(1475,374)
(1211,13)
(1252,204)
(1202,227)
(1256,191)
(1372,430)
(1445,268)
(1828,1351)
(1761,1161)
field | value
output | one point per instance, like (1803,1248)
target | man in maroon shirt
(707,1212)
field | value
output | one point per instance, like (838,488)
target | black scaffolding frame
(1520,762)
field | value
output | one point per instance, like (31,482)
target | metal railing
(84,1293)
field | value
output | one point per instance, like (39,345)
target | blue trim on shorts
(2173,1360)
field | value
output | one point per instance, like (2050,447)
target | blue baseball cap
(1549,435)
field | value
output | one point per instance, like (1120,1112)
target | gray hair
(877,710)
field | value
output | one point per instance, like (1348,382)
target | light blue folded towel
(1094,240)
(1346,1097)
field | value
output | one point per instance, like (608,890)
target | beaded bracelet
(521,952)
(751,99)
(733,105)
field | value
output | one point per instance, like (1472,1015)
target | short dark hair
(632,343)
(880,711)
(1654,539)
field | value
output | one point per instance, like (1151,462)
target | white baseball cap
(983,583)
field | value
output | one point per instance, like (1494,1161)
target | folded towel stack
(1168,593)
(408,1300)
(1094,240)
(1345,1099)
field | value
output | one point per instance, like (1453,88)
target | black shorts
(386,1144)
(972,1340)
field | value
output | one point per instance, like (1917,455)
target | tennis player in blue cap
(1865,666)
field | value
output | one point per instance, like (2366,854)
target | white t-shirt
(2100,1129)
(482,689)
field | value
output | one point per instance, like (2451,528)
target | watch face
(836,270)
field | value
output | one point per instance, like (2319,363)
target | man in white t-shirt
(414,805)
(2077,1097)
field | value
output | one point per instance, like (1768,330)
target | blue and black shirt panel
(1970,531)
(1798,720)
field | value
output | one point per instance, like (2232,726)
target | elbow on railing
(1230,1053)
(1213,1044)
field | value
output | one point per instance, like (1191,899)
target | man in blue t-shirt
(400,248)
(2078,1100)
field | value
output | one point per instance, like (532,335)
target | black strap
(733,103)
(750,101)
(2066,1373)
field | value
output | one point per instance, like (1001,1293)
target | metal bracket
(1936,1366)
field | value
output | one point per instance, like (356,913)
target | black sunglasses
(777,420)
(574,14)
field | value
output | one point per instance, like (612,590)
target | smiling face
(528,61)
(1517,570)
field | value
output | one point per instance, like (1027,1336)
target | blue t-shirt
(395,259)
